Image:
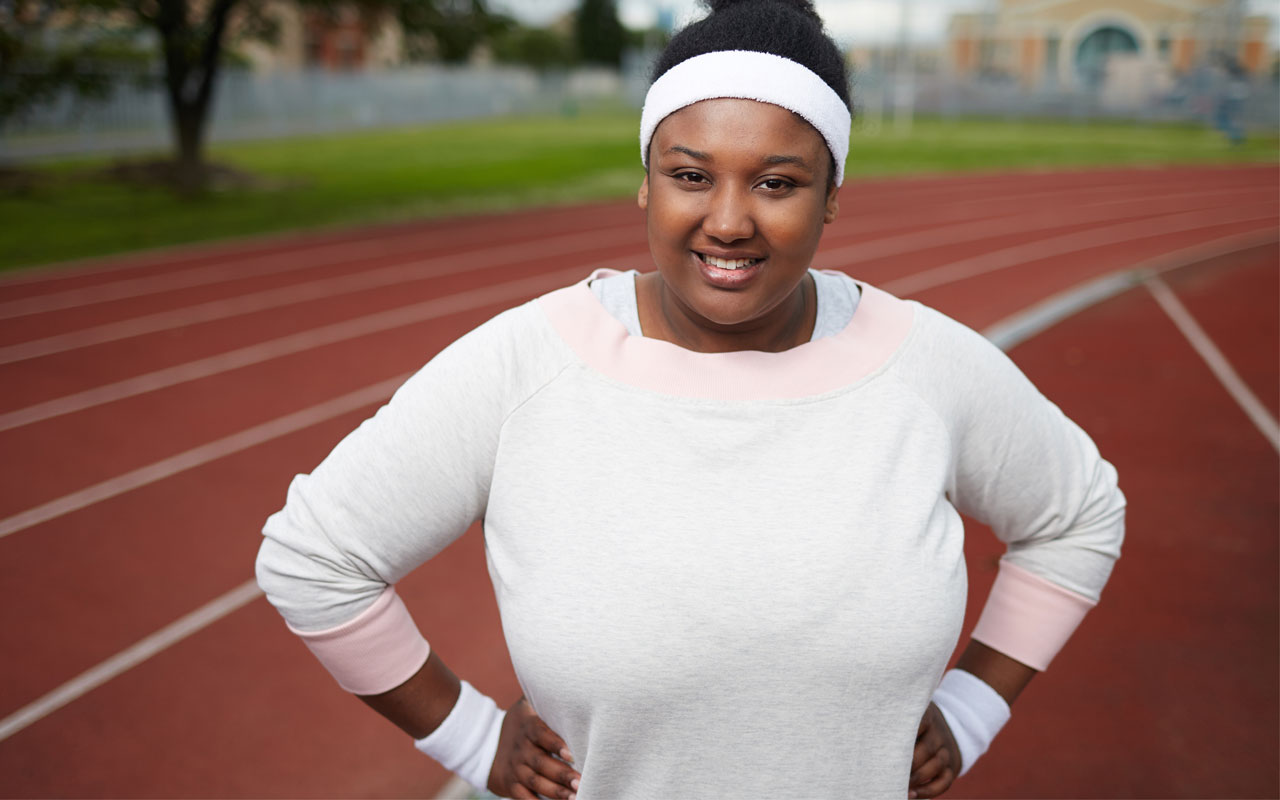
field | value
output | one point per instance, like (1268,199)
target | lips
(728,263)
(728,273)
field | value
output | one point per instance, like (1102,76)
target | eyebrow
(775,159)
(797,160)
(698,154)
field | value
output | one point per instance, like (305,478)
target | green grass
(71,212)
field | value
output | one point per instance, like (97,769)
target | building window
(1097,48)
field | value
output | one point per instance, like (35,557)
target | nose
(728,217)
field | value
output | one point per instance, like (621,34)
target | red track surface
(1168,690)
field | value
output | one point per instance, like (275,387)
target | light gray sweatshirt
(718,574)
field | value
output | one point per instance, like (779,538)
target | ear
(642,198)
(833,206)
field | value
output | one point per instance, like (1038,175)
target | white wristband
(467,740)
(974,711)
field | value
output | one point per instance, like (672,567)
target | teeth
(729,263)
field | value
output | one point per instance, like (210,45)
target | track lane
(984,298)
(1039,767)
(44,544)
(89,368)
(353,357)
(921,201)
(36,335)
(23,483)
(51,287)
(1251,344)
(279,494)
(1192,602)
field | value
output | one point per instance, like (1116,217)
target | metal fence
(251,105)
(1193,98)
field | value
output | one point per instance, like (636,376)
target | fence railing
(251,105)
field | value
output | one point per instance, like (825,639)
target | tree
(601,37)
(449,30)
(192,38)
(540,48)
(36,67)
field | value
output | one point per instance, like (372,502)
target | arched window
(1097,47)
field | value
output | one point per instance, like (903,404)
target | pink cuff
(373,653)
(1029,618)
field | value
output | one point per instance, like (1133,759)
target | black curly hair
(788,28)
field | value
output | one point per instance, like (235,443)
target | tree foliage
(36,67)
(540,48)
(46,48)
(449,30)
(600,35)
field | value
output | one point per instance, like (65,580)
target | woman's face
(736,198)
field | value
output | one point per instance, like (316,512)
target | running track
(154,408)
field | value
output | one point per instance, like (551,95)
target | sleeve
(393,493)
(1022,467)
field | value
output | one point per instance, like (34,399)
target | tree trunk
(189,138)
(191,55)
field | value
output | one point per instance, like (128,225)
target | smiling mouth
(728,263)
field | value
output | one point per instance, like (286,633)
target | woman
(721,498)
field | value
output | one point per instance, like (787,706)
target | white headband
(750,76)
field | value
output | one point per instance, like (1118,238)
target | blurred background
(248,220)
(282,114)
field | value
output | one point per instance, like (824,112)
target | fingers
(549,740)
(554,771)
(933,765)
(928,742)
(534,764)
(935,787)
(932,777)
(923,751)
(542,785)
(520,793)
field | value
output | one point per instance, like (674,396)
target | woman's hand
(531,759)
(936,760)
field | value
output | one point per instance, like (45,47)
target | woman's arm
(392,494)
(529,760)
(997,670)
(1024,468)
(420,704)
(938,758)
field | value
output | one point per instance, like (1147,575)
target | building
(308,38)
(1088,44)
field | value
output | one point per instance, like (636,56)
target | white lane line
(316,290)
(1017,328)
(1022,254)
(321,255)
(129,658)
(1217,362)
(1011,331)
(972,231)
(233,266)
(232,249)
(967,231)
(288,345)
(197,456)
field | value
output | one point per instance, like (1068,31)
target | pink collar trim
(879,326)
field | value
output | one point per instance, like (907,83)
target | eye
(776,185)
(694,178)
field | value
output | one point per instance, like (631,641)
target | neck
(663,316)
